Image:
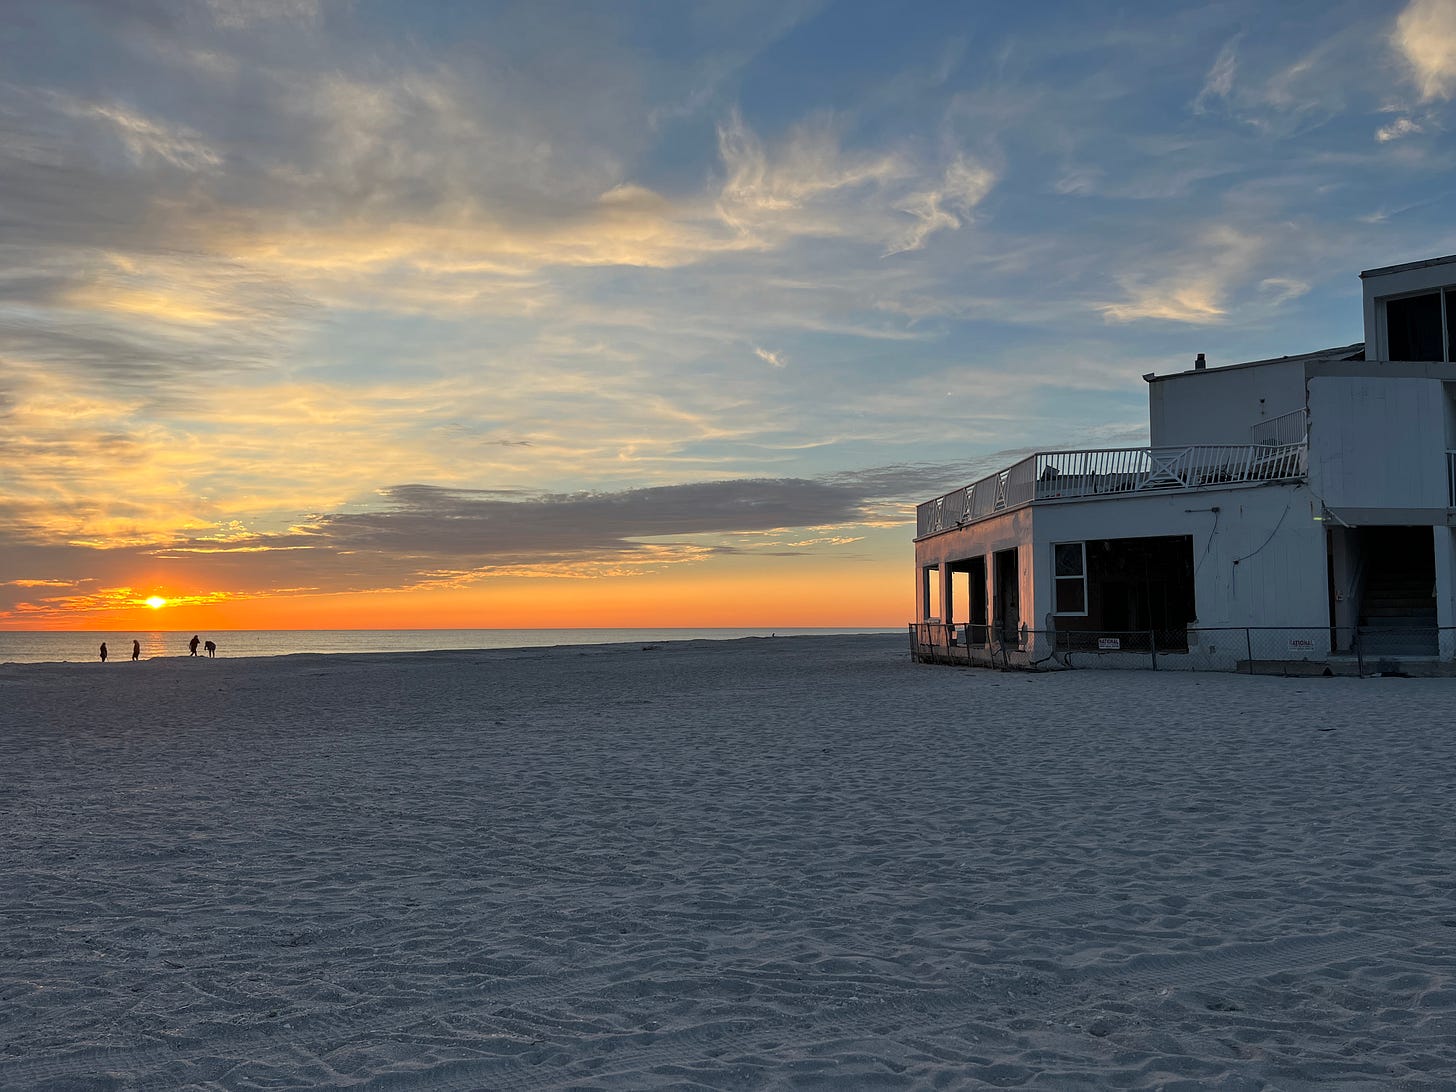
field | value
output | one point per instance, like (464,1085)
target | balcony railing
(1287,428)
(1073,475)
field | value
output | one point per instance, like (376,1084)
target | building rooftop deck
(1053,476)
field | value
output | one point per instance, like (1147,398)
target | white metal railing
(1070,475)
(1287,428)
(1451,478)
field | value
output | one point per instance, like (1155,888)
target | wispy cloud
(783,193)
(1398,128)
(237,14)
(1219,82)
(947,206)
(1193,288)
(144,138)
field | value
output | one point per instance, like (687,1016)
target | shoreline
(257,644)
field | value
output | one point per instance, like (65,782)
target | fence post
(1249,647)
(1360,654)
(1153,645)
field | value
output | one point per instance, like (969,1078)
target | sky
(421,314)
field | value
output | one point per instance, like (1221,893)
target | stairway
(1398,613)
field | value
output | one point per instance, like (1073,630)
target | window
(1415,327)
(1069,569)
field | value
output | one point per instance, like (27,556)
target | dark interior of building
(1136,587)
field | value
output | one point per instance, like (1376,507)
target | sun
(156,602)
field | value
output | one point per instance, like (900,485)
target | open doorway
(968,597)
(930,593)
(1007,602)
(1397,567)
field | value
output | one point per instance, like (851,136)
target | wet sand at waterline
(756,863)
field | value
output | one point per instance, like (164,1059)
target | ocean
(36,646)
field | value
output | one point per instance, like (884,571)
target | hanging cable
(1270,539)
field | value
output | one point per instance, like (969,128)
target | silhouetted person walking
(192,644)
(211,648)
(136,651)
(103,651)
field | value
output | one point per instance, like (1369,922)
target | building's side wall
(1220,406)
(1258,561)
(1378,443)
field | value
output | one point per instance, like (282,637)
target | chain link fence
(1251,650)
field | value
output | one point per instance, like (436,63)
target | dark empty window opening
(1137,589)
(1415,327)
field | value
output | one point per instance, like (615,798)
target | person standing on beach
(103,651)
(136,651)
(192,644)
(211,649)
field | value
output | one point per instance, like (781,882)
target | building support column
(1343,559)
(1445,547)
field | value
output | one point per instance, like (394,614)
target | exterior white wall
(1220,405)
(1378,442)
(999,533)
(1260,563)
(1005,532)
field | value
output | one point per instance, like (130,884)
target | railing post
(1153,646)
(1249,648)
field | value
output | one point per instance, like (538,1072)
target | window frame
(1081,577)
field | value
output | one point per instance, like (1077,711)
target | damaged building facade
(1294,511)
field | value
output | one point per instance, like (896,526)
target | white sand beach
(778,863)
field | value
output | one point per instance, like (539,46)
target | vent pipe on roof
(1200,363)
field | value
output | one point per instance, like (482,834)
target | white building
(1291,510)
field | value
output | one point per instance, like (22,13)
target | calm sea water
(31,647)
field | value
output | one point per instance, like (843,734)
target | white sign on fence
(1109,644)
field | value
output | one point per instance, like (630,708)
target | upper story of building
(1370,427)
(1410,321)
(1410,311)
(1379,416)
